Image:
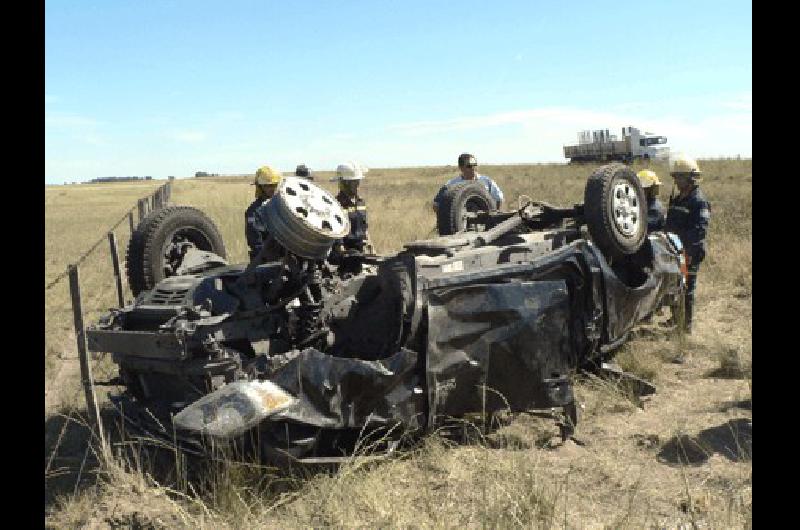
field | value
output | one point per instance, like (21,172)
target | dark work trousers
(689,299)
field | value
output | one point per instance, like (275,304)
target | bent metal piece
(305,219)
(484,238)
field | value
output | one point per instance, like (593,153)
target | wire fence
(144,206)
(89,294)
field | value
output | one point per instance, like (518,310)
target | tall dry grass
(515,482)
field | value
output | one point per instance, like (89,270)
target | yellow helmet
(682,165)
(266,176)
(648,178)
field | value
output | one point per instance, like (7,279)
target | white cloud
(230,115)
(539,134)
(527,118)
(707,127)
(92,139)
(632,106)
(68,120)
(187,136)
(743,102)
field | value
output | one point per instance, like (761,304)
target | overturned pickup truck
(304,356)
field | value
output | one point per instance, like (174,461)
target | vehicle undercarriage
(497,315)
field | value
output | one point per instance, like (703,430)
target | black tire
(617,232)
(457,200)
(145,261)
(397,290)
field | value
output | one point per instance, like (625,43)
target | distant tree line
(119,179)
(200,174)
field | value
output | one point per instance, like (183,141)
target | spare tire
(616,210)
(304,218)
(459,199)
(157,245)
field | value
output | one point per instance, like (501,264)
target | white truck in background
(600,146)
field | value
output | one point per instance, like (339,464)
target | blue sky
(173,87)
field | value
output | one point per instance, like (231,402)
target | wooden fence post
(140,205)
(86,367)
(130,221)
(112,242)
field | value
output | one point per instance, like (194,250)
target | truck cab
(645,145)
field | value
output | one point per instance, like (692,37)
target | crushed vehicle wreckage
(498,314)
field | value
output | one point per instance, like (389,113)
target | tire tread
(453,200)
(139,256)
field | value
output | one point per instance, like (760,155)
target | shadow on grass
(733,440)
(746,404)
(731,366)
(728,372)
(505,431)
(74,470)
(70,464)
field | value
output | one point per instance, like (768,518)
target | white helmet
(350,171)
(682,164)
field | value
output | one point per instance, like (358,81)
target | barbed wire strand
(80,260)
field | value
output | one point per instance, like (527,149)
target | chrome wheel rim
(625,209)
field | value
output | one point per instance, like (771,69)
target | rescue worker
(349,175)
(655,210)
(266,182)
(468,164)
(347,252)
(688,216)
(304,172)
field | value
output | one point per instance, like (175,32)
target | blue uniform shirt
(688,217)
(357,214)
(254,226)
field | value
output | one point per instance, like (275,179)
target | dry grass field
(682,458)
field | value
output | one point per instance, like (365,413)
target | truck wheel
(305,219)
(396,289)
(157,245)
(615,210)
(458,200)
